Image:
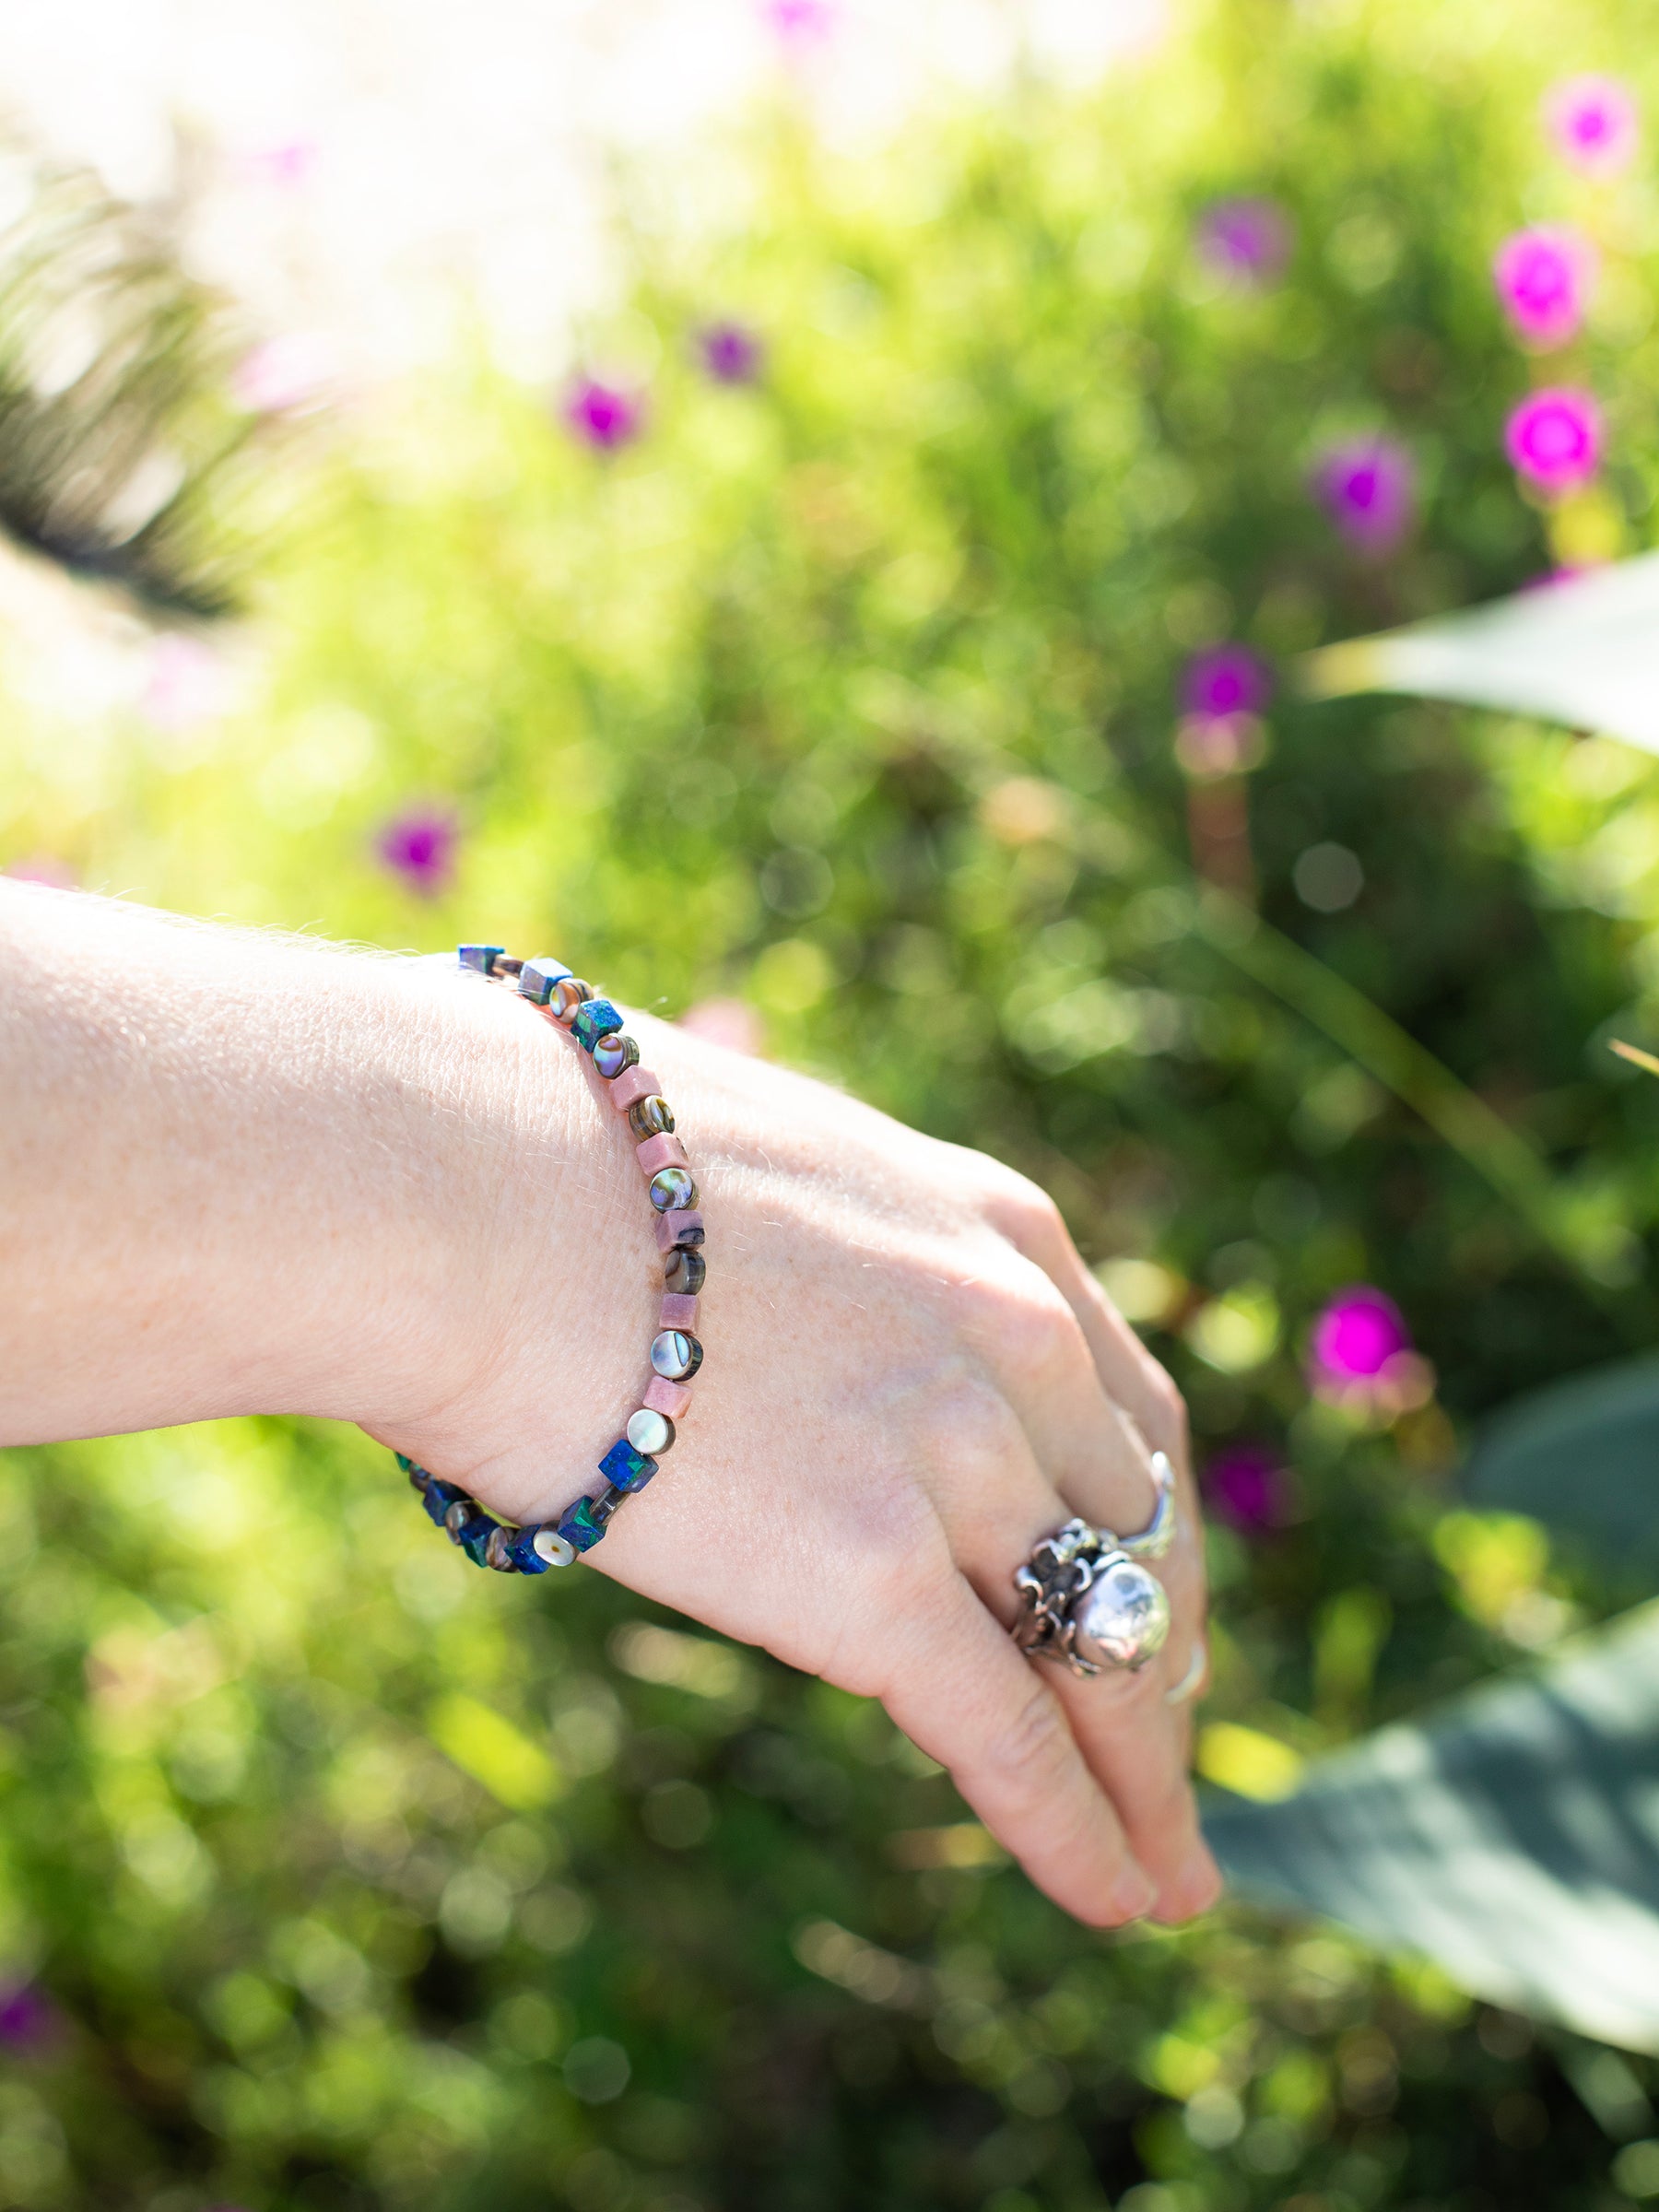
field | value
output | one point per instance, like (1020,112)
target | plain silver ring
(1188,1685)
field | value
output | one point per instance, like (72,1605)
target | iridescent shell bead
(672,1190)
(650,1117)
(675,1354)
(568,994)
(615,1052)
(650,1431)
(684,1271)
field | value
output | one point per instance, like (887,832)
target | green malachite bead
(596,1019)
(625,1468)
(580,1527)
(650,1117)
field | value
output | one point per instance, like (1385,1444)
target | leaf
(1515,1839)
(1583,652)
(1582,1455)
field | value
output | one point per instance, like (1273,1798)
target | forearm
(242,1173)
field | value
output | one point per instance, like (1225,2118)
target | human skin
(242,1173)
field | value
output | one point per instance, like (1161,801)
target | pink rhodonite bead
(684,1228)
(659,1152)
(670,1399)
(679,1310)
(635,1082)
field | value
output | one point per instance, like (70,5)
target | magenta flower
(1246,1484)
(1366,486)
(1224,681)
(420,848)
(603,416)
(1553,438)
(800,22)
(1246,239)
(1357,1333)
(1542,278)
(29,2021)
(1592,121)
(730,354)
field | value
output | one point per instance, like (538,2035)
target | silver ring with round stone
(1088,1599)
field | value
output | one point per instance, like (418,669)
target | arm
(245,1175)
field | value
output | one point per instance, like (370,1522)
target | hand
(909,1378)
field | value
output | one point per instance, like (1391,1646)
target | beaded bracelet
(675,1354)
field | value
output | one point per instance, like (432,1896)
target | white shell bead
(547,1543)
(650,1432)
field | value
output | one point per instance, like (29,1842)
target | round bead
(684,1272)
(650,1432)
(496,1552)
(672,1189)
(615,1052)
(550,1546)
(676,1355)
(568,993)
(1123,1616)
(458,1515)
(650,1117)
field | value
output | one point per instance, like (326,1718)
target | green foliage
(852,695)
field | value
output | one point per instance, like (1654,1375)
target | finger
(970,1699)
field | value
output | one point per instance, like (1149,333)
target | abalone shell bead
(685,1271)
(538,978)
(498,1552)
(650,1117)
(578,1527)
(615,1052)
(634,1083)
(672,1399)
(678,1229)
(649,1430)
(664,1151)
(568,994)
(675,1354)
(672,1190)
(480,959)
(625,1468)
(597,1019)
(678,1311)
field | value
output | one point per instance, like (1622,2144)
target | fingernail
(1133,1897)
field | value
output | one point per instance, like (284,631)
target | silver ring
(1088,1601)
(1188,1685)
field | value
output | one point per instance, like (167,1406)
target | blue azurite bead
(481,959)
(628,1469)
(470,1530)
(438,1497)
(593,1020)
(538,977)
(581,1527)
(521,1549)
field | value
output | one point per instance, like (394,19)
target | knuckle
(1033,1751)
(1037,1331)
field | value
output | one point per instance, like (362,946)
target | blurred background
(815,509)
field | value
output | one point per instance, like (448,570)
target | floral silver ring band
(1087,1598)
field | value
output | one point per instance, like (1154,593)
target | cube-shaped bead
(678,1312)
(473,1536)
(632,1084)
(615,1052)
(686,1228)
(663,1396)
(480,959)
(664,1151)
(684,1271)
(594,1019)
(671,1190)
(579,1528)
(521,1552)
(625,1467)
(538,978)
(438,1497)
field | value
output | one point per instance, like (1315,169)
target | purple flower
(420,848)
(1246,1484)
(730,354)
(1542,278)
(29,2021)
(1357,1334)
(1594,123)
(1224,681)
(1553,438)
(1365,486)
(1247,240)
(603,416)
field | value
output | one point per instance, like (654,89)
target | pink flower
(186,683)
(1247,240)
(1592,121)
(420,848)
(730,354)
(603,416)
(1224,681)
(1542,278)
(1366,486)
(284,162)
(1357,1333)
(284,374)
(1246,1484)
(1553,438)
(800,22)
